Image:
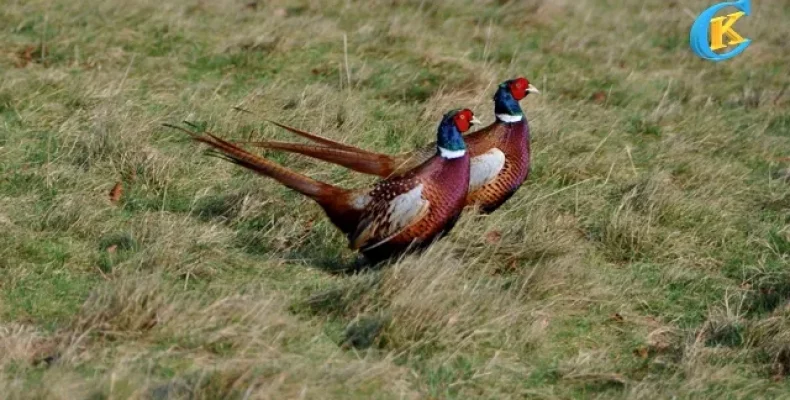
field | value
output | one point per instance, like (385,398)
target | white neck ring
(451,153)
(509,118)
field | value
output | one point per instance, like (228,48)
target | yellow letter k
(719,28)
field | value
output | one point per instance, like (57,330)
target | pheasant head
(507,96)
(450,143)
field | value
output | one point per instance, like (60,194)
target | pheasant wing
(485,167)
(396,205)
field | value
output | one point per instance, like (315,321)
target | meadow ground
(646,257)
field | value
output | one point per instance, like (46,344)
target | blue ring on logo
(700,31)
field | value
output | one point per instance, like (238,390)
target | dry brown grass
(646,257)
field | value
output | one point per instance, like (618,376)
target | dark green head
(507,96)
(450,142)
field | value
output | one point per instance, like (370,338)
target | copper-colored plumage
(513,140)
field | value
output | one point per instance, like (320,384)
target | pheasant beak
(532,89)
(475,121)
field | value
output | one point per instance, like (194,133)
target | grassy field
(646,257)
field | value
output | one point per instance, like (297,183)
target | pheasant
(395,215)
(500,152)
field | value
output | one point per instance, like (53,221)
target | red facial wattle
(518,88)
(463,120)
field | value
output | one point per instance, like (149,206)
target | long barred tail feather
(235,154)
(365,162)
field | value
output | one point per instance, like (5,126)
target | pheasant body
(507,162)
(442,183)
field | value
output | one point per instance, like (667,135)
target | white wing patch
(485,167)
(404,207)
(360,202)
(395,216)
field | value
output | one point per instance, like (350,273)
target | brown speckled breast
(445,184)
(513,140)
